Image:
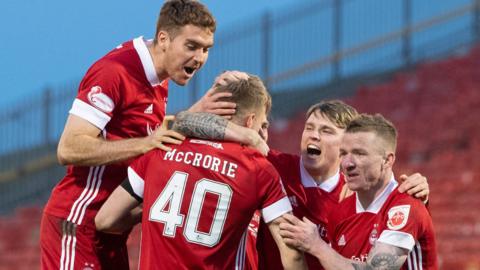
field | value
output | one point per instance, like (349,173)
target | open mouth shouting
(190,70)
(313,151)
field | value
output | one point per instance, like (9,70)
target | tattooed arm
(304,236)
(383,256)
(210,126)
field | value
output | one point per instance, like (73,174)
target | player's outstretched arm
(304,236)
(415,185)
(81,144)
(119,213)
(291,258)
(214,127)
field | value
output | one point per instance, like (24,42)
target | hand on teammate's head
(230,76)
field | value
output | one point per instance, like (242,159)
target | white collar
(378,202)
(140,45)
(308,181)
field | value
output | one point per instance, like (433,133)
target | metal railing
(312,43)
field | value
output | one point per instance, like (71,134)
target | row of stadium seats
(435,108)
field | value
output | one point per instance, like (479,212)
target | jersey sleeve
(136,175)
(98,94)
(404,223)
(275,202)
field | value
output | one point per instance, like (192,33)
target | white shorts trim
(136,182)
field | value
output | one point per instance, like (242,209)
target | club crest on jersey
(100,100)
(373,235)
(398,217)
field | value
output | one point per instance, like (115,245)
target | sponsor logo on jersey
(373,235)
(100,100)
(398,217)
(362,258)
(212,144)
(149,109)
(341,241)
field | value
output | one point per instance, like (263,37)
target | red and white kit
(122,96)
(393,218)
(308,200)
(198,200)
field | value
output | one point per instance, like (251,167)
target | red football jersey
(393,218)
(198,200)
(122,96)
(307,199)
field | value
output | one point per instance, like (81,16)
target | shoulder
(402,208)
(276,156)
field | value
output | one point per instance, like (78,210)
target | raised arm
(214,127)
(291,257)
(81,144)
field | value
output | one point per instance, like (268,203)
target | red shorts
(67,246)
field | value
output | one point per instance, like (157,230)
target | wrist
(146,144)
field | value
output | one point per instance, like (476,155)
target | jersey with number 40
(198,200)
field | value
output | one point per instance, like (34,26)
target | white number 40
(172,196)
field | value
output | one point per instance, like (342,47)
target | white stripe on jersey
(72,211)
(91,189)
(420,259)
(99,182)
(240,258)
(64,239)
(68,246)
(72,261)
(414,258)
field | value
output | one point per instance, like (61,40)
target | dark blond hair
(250,95)
(177,13)
(336,111)
(376,124)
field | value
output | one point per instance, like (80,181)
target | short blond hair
(250,95)
(376,124)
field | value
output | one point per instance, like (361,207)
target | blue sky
(51,43)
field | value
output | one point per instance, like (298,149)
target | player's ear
(390,159)
(249,120)
(163,39)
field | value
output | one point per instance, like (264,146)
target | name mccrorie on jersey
(209,162)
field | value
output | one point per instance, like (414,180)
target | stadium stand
(435,108)
(436,116)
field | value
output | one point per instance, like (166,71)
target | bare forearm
(84,150)
(382,256)
(330,259)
